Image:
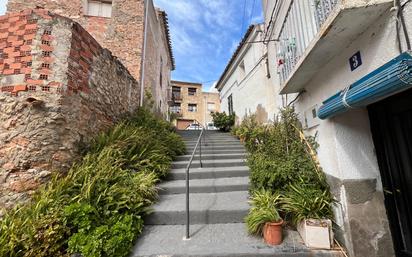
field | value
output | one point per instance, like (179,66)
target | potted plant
(311,212)
(264,219)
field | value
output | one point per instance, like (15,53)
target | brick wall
(58,88)
(122,33)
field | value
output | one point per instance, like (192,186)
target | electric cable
(251,12)
(402,20)
(243,19)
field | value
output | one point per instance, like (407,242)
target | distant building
(245,86)
(119,25)
(191,105)
(336,64)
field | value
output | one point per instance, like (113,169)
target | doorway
(391,126)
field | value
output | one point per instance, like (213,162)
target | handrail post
(200,150)
(187,205)
(198,144)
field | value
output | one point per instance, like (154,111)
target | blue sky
(2,6)
(204,33)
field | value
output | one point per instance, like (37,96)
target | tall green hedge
(97,209)
(284,162)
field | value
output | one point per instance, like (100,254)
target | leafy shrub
(283,160)
(264,209)
(223,121)
(304,202)
(97,209)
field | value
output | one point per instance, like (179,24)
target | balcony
(312,32)
(176,97)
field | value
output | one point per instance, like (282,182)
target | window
(176,93)
(100,8)
(192,108)
(192,91)
(211,107)
(176,108)
(230,104)
(161,72)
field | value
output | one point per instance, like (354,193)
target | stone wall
(59,87)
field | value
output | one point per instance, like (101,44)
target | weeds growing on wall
(283,161)
(97,209)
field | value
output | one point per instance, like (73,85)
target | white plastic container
(316,233)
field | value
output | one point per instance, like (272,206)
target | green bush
(282,160)
(97,209)
(223,121)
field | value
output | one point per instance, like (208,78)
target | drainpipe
(146,9)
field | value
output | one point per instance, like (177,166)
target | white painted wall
(254,92)
(346,147)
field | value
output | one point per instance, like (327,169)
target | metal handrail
(198,143)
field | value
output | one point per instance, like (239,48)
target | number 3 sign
(355,61)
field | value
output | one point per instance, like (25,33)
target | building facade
(324,51)
(191,105)
(58,88)
(245,86)
(134,31)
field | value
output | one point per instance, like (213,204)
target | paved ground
(218,204)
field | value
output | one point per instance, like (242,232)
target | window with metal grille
(211,107)
(230,104)
(176,108)
(192,108)
(44,76)
(101,8)
(192,91)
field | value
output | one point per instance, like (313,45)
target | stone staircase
(218,205)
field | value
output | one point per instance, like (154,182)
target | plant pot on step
(272,233)
(316,233)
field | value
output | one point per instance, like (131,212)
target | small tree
(223,121)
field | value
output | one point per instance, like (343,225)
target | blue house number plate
(355,61)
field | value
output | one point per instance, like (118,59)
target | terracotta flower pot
(272,233)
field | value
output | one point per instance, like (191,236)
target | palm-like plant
(264,209)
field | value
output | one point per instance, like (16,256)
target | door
(391,125)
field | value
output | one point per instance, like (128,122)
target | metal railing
(303,21)
(198,145)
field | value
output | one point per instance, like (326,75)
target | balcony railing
(176,96)
(303,21)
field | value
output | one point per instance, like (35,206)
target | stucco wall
(346,150)
(44,120)
(252,92)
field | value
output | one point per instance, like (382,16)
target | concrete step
(205,185)
(205,208)
(216,151)
(218,240)
(213,156)
(223,139)
(216,144)
(213,148)
(209,163)
(207,173)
